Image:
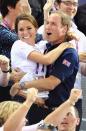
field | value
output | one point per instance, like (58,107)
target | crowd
(50,56)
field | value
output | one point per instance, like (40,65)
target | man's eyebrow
(69,113)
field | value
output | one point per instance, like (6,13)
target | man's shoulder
(70,54)
(7,34)
(69,51)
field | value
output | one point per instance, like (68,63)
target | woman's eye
(29,28)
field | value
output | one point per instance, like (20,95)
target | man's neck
(7,22)
(59,41)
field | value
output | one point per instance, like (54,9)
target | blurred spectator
(9,10)
(37,10)
(80,18)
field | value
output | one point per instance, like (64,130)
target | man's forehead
(56,15)
(71,0)
(71,111)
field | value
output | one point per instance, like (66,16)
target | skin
(69,122)
(26,31)
(56,30)
(4,66)
(70,9)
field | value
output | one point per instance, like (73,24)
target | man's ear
(65,29)
(9,8)
(78,121)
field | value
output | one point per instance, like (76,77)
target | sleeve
(25,49)
(65,65)
(32,127)
(8,37)
(2,128)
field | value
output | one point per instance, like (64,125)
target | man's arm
(61,111)
(41,84)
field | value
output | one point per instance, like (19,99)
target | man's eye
(21,29)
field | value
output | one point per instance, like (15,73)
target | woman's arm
(15,120)
(51,56)
(4,70)
(64,108)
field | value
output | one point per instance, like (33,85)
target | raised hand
(31,95)
(4,63)
(14,89)
(75,95)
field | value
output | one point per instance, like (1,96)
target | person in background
(70,121)
(4,71)
(18,117)
(37,10)
(80,18)
(9,10)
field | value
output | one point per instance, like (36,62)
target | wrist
(27,104)
(22,85)
(72,103)
(6,71)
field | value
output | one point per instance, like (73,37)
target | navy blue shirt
(64,68)
(7,38)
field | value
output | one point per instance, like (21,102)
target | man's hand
(31,95)
(14,89)
(74,95)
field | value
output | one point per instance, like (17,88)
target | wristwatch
(22,85)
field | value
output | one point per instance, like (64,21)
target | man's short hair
(4,6)
(65,19)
